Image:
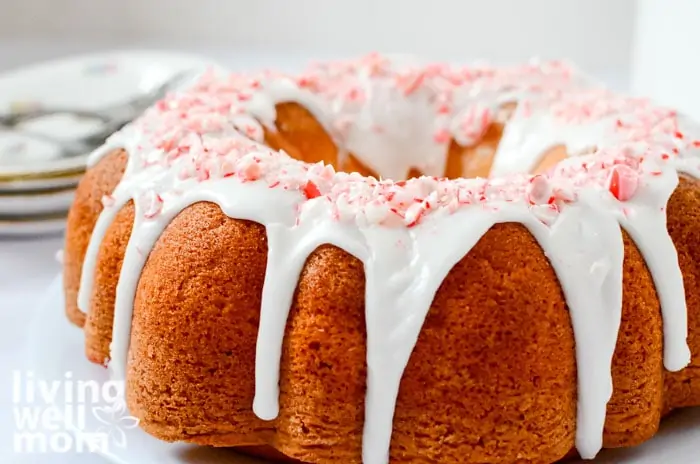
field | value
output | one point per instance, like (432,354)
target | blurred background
(596,34)
(644,46)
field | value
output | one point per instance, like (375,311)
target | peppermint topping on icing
(206,143)
(211,131)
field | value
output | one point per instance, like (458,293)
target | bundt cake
(381,261)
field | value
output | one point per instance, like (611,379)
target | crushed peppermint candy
(208,133)
(622,182)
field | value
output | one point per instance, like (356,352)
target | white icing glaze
(526,138)
(394,119)
(645,222)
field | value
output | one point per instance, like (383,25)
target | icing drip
(645,221)
(288,249)
(405,268)
(232,197)
(405,282)
(204,145)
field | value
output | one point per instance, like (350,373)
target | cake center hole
(304,138)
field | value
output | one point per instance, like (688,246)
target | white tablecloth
(26,269)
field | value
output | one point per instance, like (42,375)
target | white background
(597,34)
(646,46)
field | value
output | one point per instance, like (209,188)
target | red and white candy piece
(539,192)
(311,190)
(410,82)
(151,203)
(249,169)
(622,182)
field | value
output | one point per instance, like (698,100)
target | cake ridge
(574,212)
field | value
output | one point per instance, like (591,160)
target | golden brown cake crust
(100,180)
(191,361)
(322,382)
(682,389)
(98,324)
(492,378)
(195,324)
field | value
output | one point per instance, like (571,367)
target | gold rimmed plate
(52,115)
(32,226)
(48,201)
(29,183)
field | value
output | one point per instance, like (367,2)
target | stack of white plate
(52,115)
(35,202)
